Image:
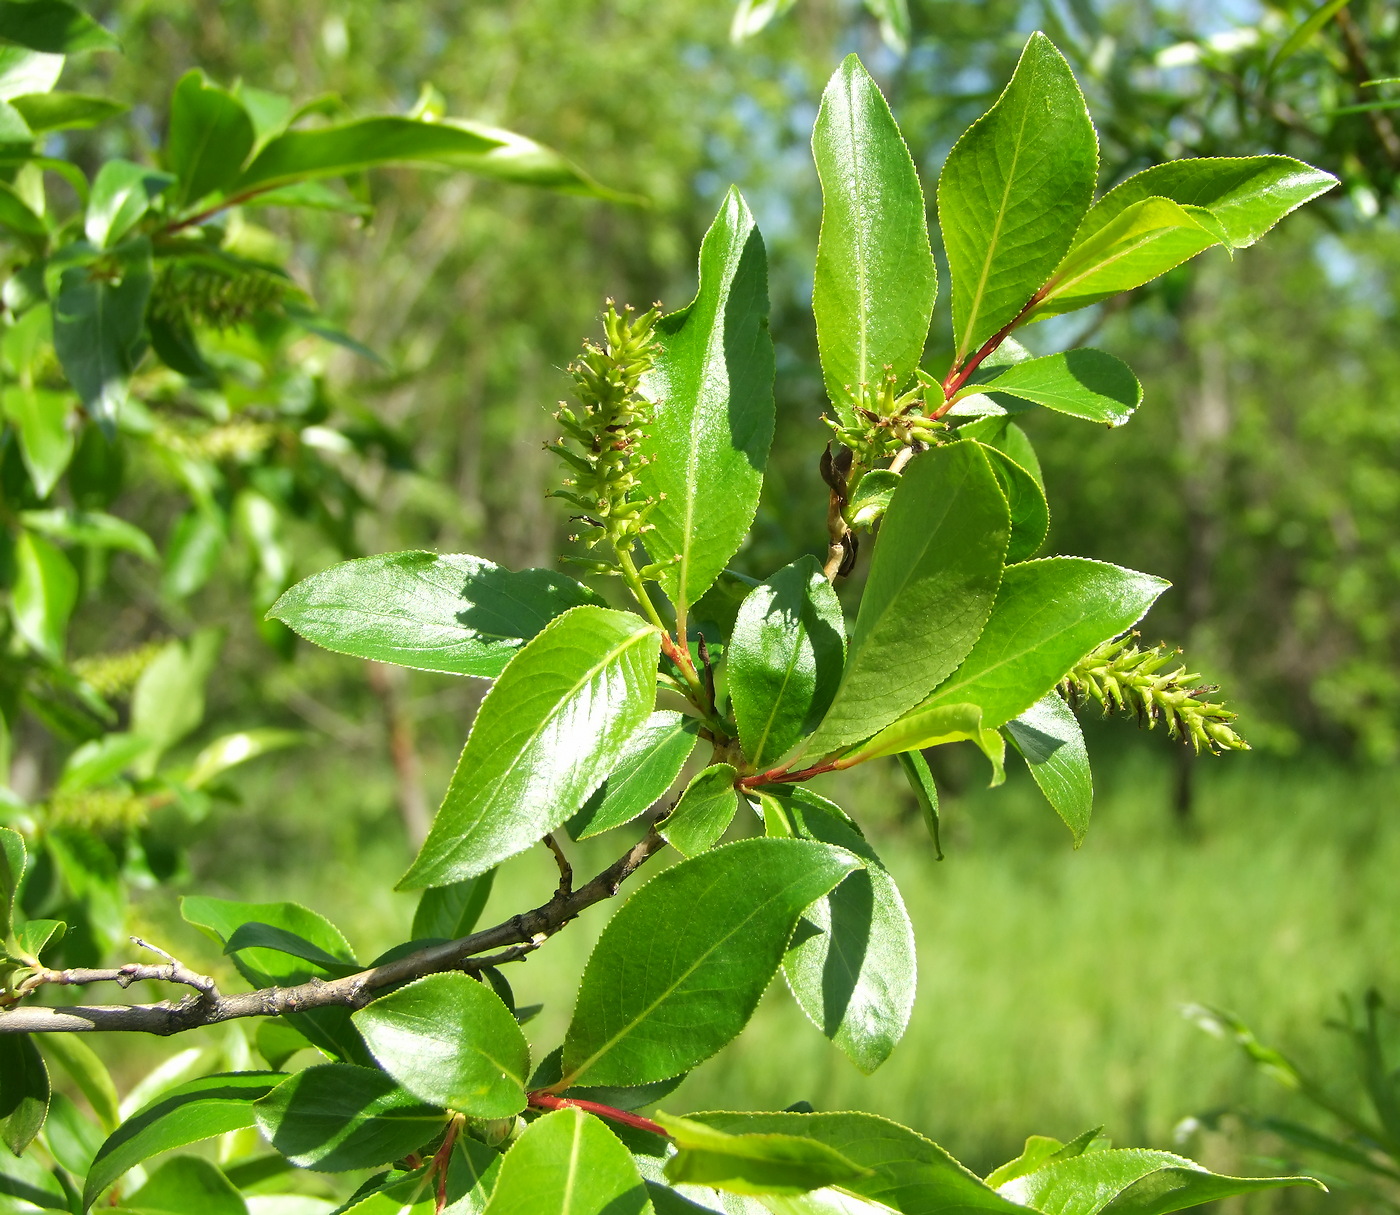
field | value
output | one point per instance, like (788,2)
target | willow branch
(513,939)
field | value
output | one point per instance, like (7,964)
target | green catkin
(1121,677)
(214,297)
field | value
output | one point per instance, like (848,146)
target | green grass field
(1050,980)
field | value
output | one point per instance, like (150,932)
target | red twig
(780,776)
(959,375)
(542,1100)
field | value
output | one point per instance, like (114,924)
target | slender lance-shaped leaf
(1050,741)
(1247,195)
(1131,1181)
(350,147)
(88,1072)
(52,26)
(1048,615)
(705,810)
(784,659)
(210,137)
(931,587)
(680,969)
(459,614)
(568,1163)
(1142,243)
(451,1041)
(212,1105)
(14,859)
(916,772)
(44,594)
(753,1163)
(650,763)
(46,112)
(1025,500)
(875,278)
(909,1173)
(338,1117)
(45,442)
(851,963)
(712,386)
(1083,383)
(550,730)
(1013,191)
(24,1091)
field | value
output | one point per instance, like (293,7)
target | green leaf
(931,587)
(92,528)
(568,1163)
(185,1184)
(14,859)
(471,1176)
(712,387)
(167,702)
(24,1091)
(552,727)
(101,760)
(70,1136)
(45,442)
(1301,36)
(25,72)
(46,112)
(679,970)
(916,772)
(98,318)
(1142,243)
(1083,383)
(35,935)
(1041,1150)
(1131,1181)
(893,16)
(875,278)
(449,1040)
(1247,195)
(230,750)
(1013,190)
(784,659)
(334,151)
(851,964)
(459,614)
(1050,741)
(338,1117)
(446,913)
(908,1172)
(753,16)
(211,1105)
(264,937)
(44,594)
(17,215)
(210,137)
(871,496)
(1009,439)
(53,27)
(88,1072)
(704,811)
(1025,500)
(1048,615)
(651,760)
(753,1163)
(122,193)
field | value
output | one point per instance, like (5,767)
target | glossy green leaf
(24,1091)
(17,215)
(1050,741)
(931,587)
(70,1136)
(45,442)
(210,137)
(264,937)
(351,147)
(548,733)
(338,1117)
(916,772)
(101,760)
(935,726)
(46,112)
(211,1105)
(753,16)
(893,16)
(450,1041)
(93,528)
(1140,244)
(122,192)
(1131,1181)
(650,763)
(52,26)
(24,72)
(704,811)
(446,913)
(184,1185)
(167,702)
(908,1173)
(1083,383)
(875,279)
(471,1176)
(871,496)
(44,594)
(1012,192)
(456,613)
(568,1163)
(98,318)
(712,389)
(88,1072)
(851,964)
(784,659)
(1049,614)
(14,859)
(771,1163)
(230,750)
(680,969)
(1041,1150)
(1025,500)
(34,936)
(1009,439)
